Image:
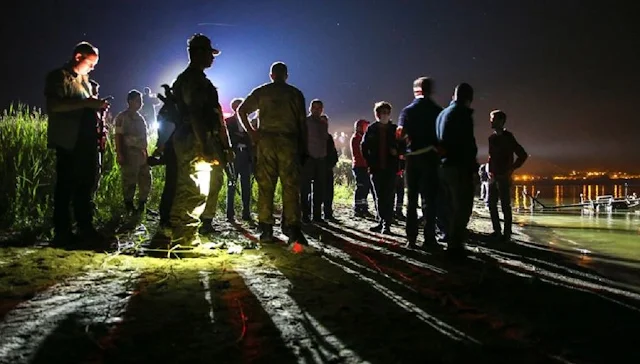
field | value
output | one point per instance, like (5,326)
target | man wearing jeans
(502,146)
(458,150)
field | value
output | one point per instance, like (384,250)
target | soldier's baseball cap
(201,41)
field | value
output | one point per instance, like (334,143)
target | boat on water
(610,203)
(606,203)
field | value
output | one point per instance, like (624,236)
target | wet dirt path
(361,297)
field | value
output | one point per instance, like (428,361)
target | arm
(520,153)
(55,95)
(223,132)
(249,105)
(364,146)
(119,138)
(401,134)
(302,120)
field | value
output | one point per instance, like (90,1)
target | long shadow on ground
(560,319)
(174,320)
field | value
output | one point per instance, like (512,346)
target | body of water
(610,233)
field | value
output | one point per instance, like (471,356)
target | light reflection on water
(615,234)
(567,194)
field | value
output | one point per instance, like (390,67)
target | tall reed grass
(27,176)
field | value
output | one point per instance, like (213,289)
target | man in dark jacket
(502,146)
(380,150)
(417,125)
(331,160)
(458,151)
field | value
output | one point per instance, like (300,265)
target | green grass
(27,177)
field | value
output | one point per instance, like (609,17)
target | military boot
(297,236)
(267,233)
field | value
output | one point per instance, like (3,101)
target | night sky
(565,72)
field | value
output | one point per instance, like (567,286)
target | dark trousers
(314,179)
(443,210)
(458,182)
(399,192)
(422,181)
(363,186)
(75,179)
(328,194)
(383,182)
(170,178)
(244,170)
(500,188)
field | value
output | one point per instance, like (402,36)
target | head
(147,91)
(279,72)
(422,87)
(360,126)
(201,52)
(463,94)
(316,108)
(134,100)
(235,103)
(382,111)
(498,119)
(84,58)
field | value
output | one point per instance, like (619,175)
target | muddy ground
(360,297)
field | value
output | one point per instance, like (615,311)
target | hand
(399,133)
(120,159)
(97,104)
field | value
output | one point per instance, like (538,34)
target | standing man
(502,146)
(458,150)
(131,151)
(314,171)
(281,144)
(380,150)
(332,160)
(149,103)
(243,164)
(199,140)
(72,133)
(417,126)
(360,171)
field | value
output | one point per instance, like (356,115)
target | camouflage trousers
(215,186)
(277,156)
(135,173)
(192,188)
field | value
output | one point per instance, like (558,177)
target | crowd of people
(430,155)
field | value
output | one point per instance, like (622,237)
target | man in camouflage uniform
(131,150)
(280,146)
(71,131)
(193,140)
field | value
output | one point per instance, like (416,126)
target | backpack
(169,117)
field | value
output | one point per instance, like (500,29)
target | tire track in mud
(97,298)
